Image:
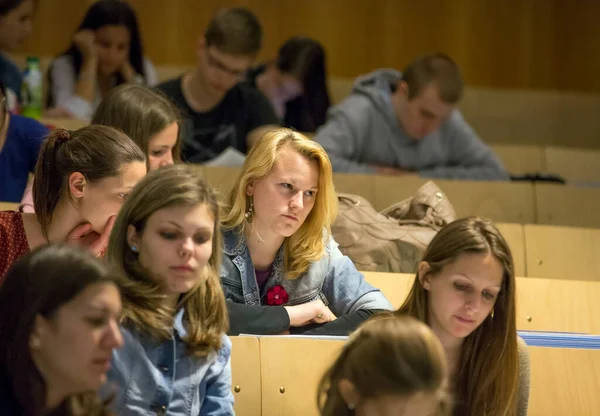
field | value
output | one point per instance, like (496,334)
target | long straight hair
(307,244)
(387,355)
(39,284)
(305,59)
(206,318)
(488,368)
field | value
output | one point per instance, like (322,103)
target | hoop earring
(249,212)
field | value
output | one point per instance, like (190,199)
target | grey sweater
(363,131)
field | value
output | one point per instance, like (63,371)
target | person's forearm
(342,326)
(258,320)
(86,82)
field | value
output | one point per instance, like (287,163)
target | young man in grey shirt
(407,122)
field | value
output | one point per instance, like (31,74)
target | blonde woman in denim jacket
(282,271)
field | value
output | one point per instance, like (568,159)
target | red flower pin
(277,296)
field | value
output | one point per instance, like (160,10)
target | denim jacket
(163,379)
(333,279)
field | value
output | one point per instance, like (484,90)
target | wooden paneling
(515,237)
(245,377)
(578,165)
(291,370)
(520,160)
(558,305)
(497,43)
(9,206)
(562,252)
(564,381)
(567,205)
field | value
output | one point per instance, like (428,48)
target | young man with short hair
(222,112)
(407,122)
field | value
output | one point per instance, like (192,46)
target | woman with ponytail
(81,180)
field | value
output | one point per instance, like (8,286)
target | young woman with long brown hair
(465,291)
(166,244)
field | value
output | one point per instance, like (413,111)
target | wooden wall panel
(549,44)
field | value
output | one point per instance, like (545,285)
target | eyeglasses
(215,63)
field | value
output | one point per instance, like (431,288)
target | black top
(206,135)
(268,320)
(295,116)
(8,402)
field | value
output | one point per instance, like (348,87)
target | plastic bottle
(31,91)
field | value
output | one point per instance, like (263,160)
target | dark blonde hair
(39,284)
(486,382)
(387,355)
(97,152)
(307,244)
(140,112)
(438,69)
(205,315)
(235,31)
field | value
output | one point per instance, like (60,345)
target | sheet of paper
(229,157)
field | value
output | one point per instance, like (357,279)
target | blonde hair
(307,244)
(486,382)
(143,307)
(387,355)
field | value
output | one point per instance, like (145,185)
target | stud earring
(350,406)
(134,248)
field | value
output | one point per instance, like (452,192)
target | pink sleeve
(27,200)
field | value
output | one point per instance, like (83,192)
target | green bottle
(31,91)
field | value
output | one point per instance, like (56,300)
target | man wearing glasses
(221,111)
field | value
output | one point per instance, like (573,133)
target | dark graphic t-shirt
(206,135)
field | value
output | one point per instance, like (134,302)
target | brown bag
(395,239)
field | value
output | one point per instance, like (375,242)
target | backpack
(394,239)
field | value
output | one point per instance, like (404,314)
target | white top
(63,80)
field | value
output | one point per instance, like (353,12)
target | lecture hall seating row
(547,251)
(275,376)
(278,376)
(573,164)
(511,202)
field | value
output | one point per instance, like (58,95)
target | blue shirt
(162,378)
(19,155)
(10,75)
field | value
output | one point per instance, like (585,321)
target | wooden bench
(564,381)
(542,304)
(9,206)
(562,252)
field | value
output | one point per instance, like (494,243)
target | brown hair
(436,68)
(387,355)
(40,283)
(307,244)
(486,382)
(206,316)
(140,112)
(235,31)
(97,152)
